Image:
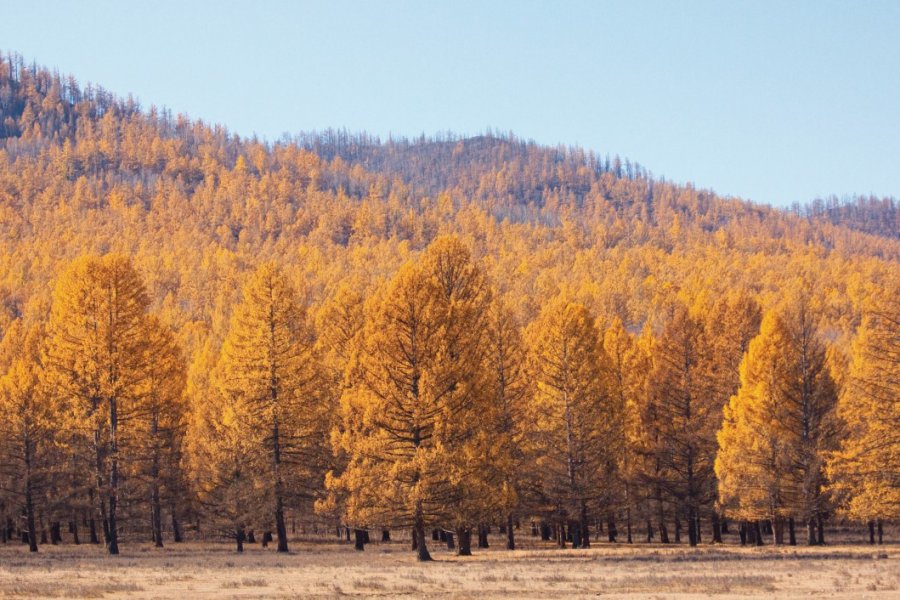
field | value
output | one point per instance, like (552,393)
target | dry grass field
(331,570)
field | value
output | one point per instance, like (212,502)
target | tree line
(428,404)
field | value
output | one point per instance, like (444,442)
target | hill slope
(83,171)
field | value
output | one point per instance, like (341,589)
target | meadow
(327,569)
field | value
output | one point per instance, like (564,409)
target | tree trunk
(55,533)
(156,516)
(385,535)
(279,524)
(742,532)
(92,531)
(880,532)
(483,536)
(359,540)
(415,540)
(546,531)
(649,531)
(239,538)
(510,535)
(663,532)
(779,531)
(677,530)
(465,541)
(716,528)
(871,532)
(583,527)
(811,532)
(75,538)
(113,501)
(422,554)
(757,532)
(693,532)
(611,530)
(29,517)
(820,530)
(792,532)
(451,540)
(176,526)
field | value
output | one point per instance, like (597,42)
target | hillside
(84,171)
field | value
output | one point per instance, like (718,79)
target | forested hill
(84,171)
(502,168)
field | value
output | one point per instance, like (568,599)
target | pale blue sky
(772,101)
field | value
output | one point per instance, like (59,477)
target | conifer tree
(572,413)
(412,386)
(779,427)
(97,360)
(269,370)
(685,417)
(28,423)
(865,470)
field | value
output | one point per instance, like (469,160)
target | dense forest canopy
(580,248)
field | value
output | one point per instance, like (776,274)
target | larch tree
(510,454)
(411,388)
(865,470)
(28,426)
(268,369)
(780,426)
(685,418)
(97,360)
(161,420)
(730,326)
(572,414)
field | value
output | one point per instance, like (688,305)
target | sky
(772,101)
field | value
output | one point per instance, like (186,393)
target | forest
(211,337)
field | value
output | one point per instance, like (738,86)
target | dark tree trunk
(465,541)
(29,517)
(584,528)
(677,530)
(872,532)
(436,536)
(176,526)
(811,532)
(716,528)
(92,531)
(55,533)
(415,540)
(510,535)
(757,531)
(422,554)
(611,530)
(251,538)
(546,531)
(280,528)
(792,532)
(113,501)
(450,539)
(649,531)
(359,540)
(880,532)
(742,532)
(483,536)
(779,531)
(663,532)
(74,528)
(385,535)
(693,529)
(561,535)
(239,538)
(820,530)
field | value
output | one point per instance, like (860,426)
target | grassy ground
(194,571)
